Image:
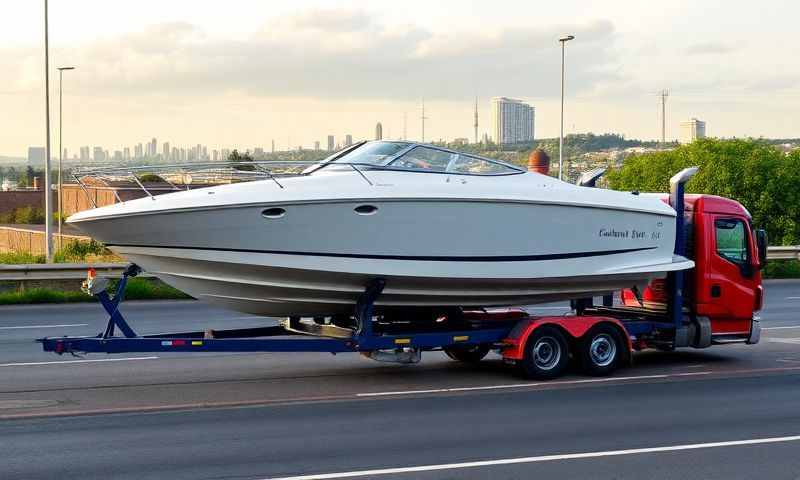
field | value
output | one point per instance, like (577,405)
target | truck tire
(467,353)
(601,350)
(546,354)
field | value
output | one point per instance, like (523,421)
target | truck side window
(732,240)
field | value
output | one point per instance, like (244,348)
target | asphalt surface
(725,412)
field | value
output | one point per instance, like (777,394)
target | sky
(239,74)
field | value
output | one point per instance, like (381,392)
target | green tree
(754,173)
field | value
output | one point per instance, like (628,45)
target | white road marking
(781,328)
(65,362)
(527,385)
(541,458)
(792,298)
(19,327)
(794,341)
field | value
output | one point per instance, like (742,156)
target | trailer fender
(573,327)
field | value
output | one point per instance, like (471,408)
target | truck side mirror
(761,243)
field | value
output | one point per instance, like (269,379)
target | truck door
(732,277)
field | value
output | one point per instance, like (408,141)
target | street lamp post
(60,150)
(563,41)
(48,191)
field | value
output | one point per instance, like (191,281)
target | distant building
(316,145)
(348,140)
(166,150)
(330,143)
(378,131)
(692,129)
(36,156)
(98,155)
(84,154)
(512,120)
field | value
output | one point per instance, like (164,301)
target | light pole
(60,150)
(48,191)
(563,40)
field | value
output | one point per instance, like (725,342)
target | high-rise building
(126,153)
(512,120)
(166,150)
(692,129)
(117,156)
(153,147)
(316,145)
(378,131)
(36,156)
(138,151)
(348,140)
(84,154)
(98,155)
(330,143)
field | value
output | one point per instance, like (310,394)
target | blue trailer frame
(262,339)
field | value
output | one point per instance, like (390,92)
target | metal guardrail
(68,271)
(58,271)
(783,253)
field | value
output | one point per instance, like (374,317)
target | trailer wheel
(467,354)
(546,354)
(600,350)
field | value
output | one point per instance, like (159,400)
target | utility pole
(664,94)
(563,40)
(60,150)
(48,191)
(476,121)
(423,118)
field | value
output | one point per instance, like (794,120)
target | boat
(443,229)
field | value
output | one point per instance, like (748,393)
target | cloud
(341,54)
(710,48)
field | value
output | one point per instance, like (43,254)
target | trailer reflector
(197,343)
(461,338)
(166,343)
(402,341)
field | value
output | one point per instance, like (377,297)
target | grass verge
(138,289)
(782,269)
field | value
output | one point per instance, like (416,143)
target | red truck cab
(725,285)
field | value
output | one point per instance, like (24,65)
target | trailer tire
(601,350)
(546,354)
(467,353)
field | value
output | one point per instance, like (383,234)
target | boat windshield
(419,158)
(372,153)
(422,158)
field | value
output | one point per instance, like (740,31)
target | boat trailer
(292,335)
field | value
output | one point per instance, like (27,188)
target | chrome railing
(183,176)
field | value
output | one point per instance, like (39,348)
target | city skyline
(193,74)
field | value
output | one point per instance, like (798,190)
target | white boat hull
(319,256)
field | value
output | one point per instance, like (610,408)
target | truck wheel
(467,354)
(546,354)
(600,350)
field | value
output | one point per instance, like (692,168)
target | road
(725,412)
